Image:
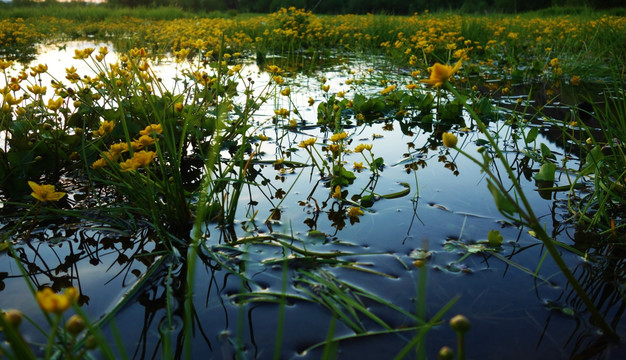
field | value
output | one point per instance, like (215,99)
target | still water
(515,313)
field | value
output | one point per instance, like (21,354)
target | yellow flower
(325,88)
(274,69)
(51,302)
(105,128)
(235,69)
(143,141)
(554,62)
(178,107)
(37,90)
(449,139)
(388,89)
(285,92)
(116,149)
(139,159)
(338,137)
(83,54)
(282,112)
(45,192)
(439,73)
(337,192)
(358,166)
(575,80)
(307,142)
(311,101)
(143,158)
(99,164)
(40,69)
(262,137)
(55,105)
(362,147)
(278,79)
(354,212)
(157,128)
(411,86)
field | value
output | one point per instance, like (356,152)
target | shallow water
(514,314)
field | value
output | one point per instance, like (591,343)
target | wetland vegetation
(293,185)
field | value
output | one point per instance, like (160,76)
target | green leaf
(367,201)
(592,160)
(532,135)
(545,152)
(494,238)
(503,204)
(546,172)
(378,163)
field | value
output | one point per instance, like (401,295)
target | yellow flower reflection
(337,192)
(45,192)
(354,212)
(439,73)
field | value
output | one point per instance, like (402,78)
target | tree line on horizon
(397,7)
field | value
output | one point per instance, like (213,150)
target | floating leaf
(494,238)
(546,172)
(316,234)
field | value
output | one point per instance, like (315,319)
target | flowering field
(300,186)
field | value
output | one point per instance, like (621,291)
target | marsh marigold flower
(99,164)
(440,73)
(307,142)
(45,192)
(139,159)
(338,137)
(281,112)
(358,166)
(152,128)
(143,141)
(359,148)
(106,127)
(51,302)
(449,139)
(55,105)
(388,89)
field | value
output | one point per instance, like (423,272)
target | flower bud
(445,353)
(449,140)
(460,324)
(13,317)
(91,342)
(75,325)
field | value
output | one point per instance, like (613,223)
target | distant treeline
(398,7)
